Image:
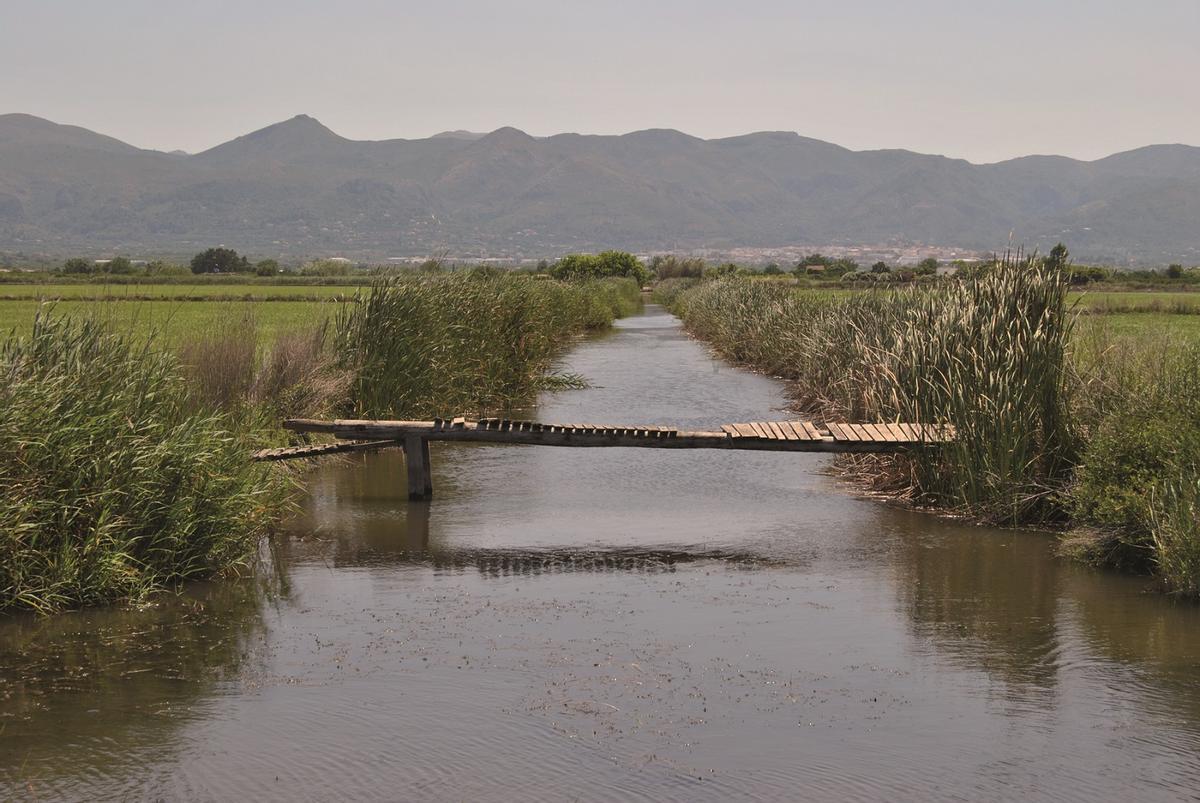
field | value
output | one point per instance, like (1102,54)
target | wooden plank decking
(790,436)
(774,436)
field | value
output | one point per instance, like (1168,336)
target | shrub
(1125,466)
(78,265)
(325,267)
(673,267)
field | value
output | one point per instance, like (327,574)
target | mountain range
(297,189)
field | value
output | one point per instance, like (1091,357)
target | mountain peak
(301,134)
(507,137)
(663,136)
(459,133)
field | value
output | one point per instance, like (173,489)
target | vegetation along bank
(1061,422)
(124,451)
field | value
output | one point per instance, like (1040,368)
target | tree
(927,266)
(772,269)
(880,267)
(1175,271)
(119,266)
(219,260)
(78,265)
(841,266)
(267,267)
(599,266)
(1058,257)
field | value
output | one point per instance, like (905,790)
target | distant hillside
(297,188)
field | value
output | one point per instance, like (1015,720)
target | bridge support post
(416,462)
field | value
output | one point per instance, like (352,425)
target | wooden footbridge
(769,436)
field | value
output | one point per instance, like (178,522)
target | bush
(325,267)
(1135,399)
(114,485)
(78,265)
(159,268)
(1125,466)
(607,264)
(673,267)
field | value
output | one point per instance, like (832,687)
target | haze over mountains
(298,189)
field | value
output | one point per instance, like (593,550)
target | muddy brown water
(617,624)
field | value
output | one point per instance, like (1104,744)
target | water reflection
(114,687)
(986,597)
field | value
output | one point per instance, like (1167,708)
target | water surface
(616,624)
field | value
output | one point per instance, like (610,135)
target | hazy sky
(983,81)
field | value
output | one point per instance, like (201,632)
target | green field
(1140,324)
(1118,302)
(256,292)
(175,319)
(180,310)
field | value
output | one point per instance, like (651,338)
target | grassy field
(257,292)
(1119,302)
(177,320)
(1137,324)
(182,310)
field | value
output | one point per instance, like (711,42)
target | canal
(617,624)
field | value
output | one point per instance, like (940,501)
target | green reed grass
(1175,530)
(435,345)
(1052,428)
(985,354)
(114,484)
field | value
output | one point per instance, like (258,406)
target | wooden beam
(416,463)
(321,449)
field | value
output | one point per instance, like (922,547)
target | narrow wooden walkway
(774,436)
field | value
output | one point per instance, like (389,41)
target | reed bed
(115,484)
(125,457)
(985,355)
(436,345)
(1082,433)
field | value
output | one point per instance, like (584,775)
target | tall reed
(1175,530)
(985,355)
(433,345)
(114,484)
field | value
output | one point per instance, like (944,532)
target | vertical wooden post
(428,489)
(416,460)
